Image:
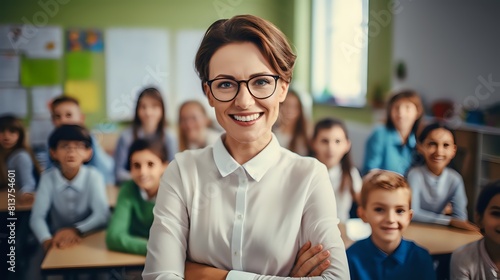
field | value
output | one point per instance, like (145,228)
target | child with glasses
(66,110)
(72,196)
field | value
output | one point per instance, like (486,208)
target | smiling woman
(242,208)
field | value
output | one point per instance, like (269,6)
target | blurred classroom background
(351,54)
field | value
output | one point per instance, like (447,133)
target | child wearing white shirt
(331,146)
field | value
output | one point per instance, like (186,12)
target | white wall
(447,46)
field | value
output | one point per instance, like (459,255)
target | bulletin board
(135,58)
(30,68)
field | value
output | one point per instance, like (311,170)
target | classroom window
(339,52)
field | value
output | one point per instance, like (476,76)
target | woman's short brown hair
(246,28)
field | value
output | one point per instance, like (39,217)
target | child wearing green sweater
(128,230)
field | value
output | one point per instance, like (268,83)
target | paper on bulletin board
(78,65)
(46,43)
(41,98)
(35,42)
(86,92)
(10,37)
(40,72)
(14,101)
(136,58)
(188,83)
(9,68)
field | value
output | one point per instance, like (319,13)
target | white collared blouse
(250,219)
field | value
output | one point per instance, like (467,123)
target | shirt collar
(336,170)
(78,183)
(255,167)
(399,255)
(396,139)
(145,196)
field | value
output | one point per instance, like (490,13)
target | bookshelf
(481,159)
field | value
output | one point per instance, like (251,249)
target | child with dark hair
(73,195)
(331,145)
(16,156)
(66,110)
(291,129)
(128,230)
(480,260)
(149,123)
(434,184)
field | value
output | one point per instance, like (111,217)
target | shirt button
(240,216)
(235,253)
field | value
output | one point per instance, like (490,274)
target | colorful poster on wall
(84,40)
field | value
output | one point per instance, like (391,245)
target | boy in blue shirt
(72,196)
(66,110)
(386,206)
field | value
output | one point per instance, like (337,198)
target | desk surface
(91,253)
(436,239)
(4,206)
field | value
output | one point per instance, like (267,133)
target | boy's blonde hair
(382,179)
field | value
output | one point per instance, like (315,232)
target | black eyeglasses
(260,87)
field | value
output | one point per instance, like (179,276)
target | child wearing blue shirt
(385,255)
(66,110)
(72,196)
(391,147)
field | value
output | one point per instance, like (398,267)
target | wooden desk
(436,239)
(4,196)
(90,254)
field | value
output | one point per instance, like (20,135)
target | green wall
(291,16)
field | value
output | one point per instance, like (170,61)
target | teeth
(247,118)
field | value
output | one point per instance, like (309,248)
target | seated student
(66,110)
(480,260)
(195,130)
(72,196)
(434,185)
(386,206)
(392,146)
(331,145)
(291,129)
(128,230)
(15,155)
(149,123)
